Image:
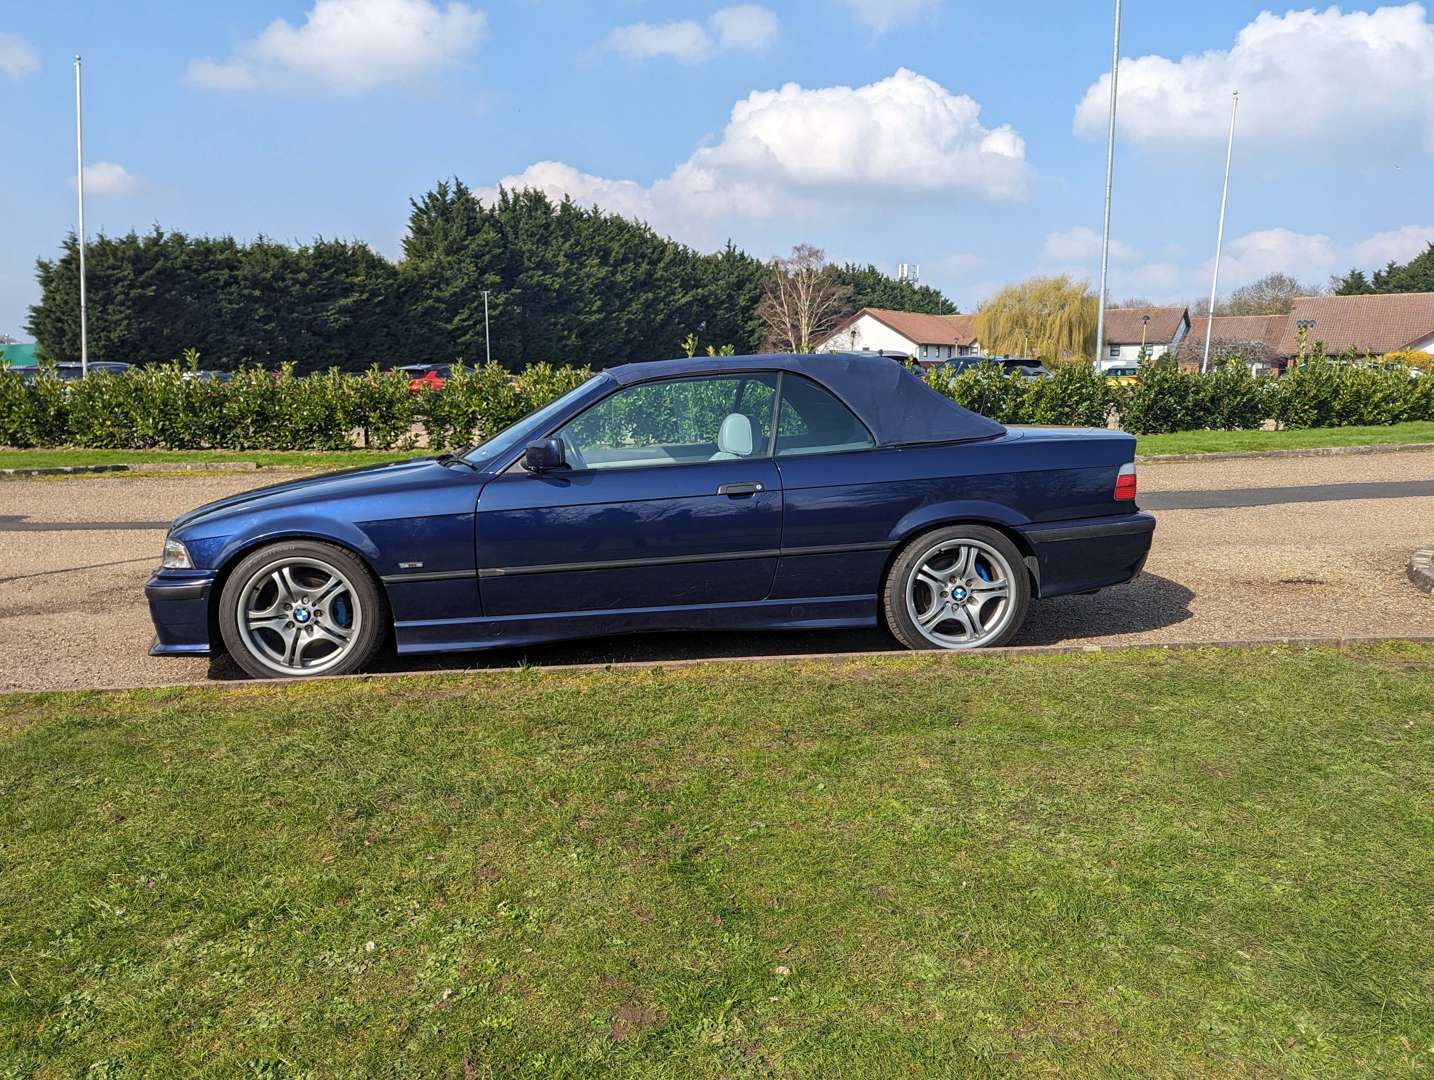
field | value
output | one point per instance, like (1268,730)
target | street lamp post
(487,348)
(1220,234)
(1109,176)
(80,199)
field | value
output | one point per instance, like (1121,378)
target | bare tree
(802,302)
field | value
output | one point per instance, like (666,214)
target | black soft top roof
(897,406)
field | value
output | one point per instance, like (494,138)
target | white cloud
(793,150)
(1082,245)
(18,57)
(884,15)
(745,26)
(348,46)
(1356,78)
(750,27)
(1396,245)
(1306,256)
(106,178)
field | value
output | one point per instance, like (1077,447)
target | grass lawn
(1204,442)
(1134,864)
(1180,442)
(265,459)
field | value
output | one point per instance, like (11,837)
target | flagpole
(1220,234)
(1109,175)
(80,197)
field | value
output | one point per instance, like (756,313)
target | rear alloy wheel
(301,608)
(961,587)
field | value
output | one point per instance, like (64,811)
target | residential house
(1152,330)
(931,339)
(1386,322)
(1259,334)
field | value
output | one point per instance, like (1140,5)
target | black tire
(985,543)
(341,638)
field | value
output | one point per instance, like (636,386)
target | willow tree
(1052,318)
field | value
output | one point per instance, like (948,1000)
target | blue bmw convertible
(732,493)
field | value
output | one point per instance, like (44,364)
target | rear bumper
(179,608)
(1080,556)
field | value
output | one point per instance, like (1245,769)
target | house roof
(1123,325)
(1380,323)
(1265,329)
(919,328)
(898,408)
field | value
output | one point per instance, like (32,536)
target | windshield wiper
(454,459)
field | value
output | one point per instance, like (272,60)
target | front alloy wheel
(299,608)
(962,587)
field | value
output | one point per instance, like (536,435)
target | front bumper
(1089,554)
(179,609)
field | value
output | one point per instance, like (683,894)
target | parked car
(1121,376)
(70,372)
(1024,366)
(736,493)
(426,376)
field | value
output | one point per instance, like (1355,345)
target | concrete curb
(1308,451)
(1421,570)
(64,470)
(943,656)
(197,466)
(140,467)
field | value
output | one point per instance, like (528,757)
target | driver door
(670,499)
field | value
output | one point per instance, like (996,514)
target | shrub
(1163,399)
(1075,395)
(33,412)
(1230,398)
(986,389)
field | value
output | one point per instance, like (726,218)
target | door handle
(740,489)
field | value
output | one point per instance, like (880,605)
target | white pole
(80,196)
(1109,175)
(487,347)
(1220,235)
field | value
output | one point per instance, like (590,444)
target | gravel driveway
(73,567)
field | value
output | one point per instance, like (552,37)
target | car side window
(675,422)
(813,421)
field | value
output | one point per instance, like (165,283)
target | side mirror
(543,455)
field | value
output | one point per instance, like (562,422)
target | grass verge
(1204,442)
(1179,442)
(1147,863)
(265,459)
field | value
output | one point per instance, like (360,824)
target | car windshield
(522,431)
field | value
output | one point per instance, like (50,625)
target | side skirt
(506,631)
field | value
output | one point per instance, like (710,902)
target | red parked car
(426,376)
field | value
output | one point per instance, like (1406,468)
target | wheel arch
(236,553)
(930,525)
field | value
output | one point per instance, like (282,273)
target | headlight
(176,556)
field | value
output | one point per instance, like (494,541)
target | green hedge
(164,407)
(1319,393)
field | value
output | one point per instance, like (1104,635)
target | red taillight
(1125,482)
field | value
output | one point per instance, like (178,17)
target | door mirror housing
(544,455)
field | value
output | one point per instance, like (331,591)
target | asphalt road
(1279,547)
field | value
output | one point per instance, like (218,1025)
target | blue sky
(966,138)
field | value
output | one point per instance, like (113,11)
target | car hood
(342,484)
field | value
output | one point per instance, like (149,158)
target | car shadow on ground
(1145,604)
